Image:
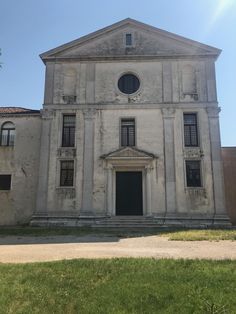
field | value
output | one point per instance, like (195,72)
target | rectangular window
(127,132)
(193,173)
(67,173)
(128,39)
(190,130)
(5,182)
(68,132)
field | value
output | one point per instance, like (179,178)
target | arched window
(7,134)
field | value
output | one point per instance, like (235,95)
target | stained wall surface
(21,161)
(176,76)
(229,166)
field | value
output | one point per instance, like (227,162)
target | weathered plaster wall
(161,81)
(194,200)
(229,166)
(67,199)
(145,43)
(22,162)
(157,107)
(149,126)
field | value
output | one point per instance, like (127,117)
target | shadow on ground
(60,235)
(36,235)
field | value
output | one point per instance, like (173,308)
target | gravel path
(38,249)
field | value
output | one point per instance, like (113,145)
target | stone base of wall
(130,221)
(196,221)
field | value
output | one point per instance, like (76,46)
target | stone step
(134,226)
(116,222)
(124,222)
(128,222)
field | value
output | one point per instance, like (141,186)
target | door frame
(143,186)
(111,187)
(129,159)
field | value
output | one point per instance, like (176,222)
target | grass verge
(200,235)
(119,286)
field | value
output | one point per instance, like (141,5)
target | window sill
(66,191)
(196,191)
(194,188)
(65,187)
(66,152)
(193,152)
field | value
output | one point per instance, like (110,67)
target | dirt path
(35,249)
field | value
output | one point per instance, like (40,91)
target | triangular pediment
(148,41)
(130,153)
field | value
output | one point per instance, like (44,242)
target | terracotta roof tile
(16,110)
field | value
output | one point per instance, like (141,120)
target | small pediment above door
(128,153)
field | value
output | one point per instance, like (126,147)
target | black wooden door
(129,195)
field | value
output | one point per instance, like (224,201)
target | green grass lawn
(199,235)
(172,234)
(119,286)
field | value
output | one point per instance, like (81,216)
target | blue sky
(30,27)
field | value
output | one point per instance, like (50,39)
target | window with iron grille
(193,173)
(7,134)
(5,182)
(67,173)
(128,39)
(68,133)
(127,132)
(190,130)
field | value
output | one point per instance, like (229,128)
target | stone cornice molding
(133,105)
(108,166)
(129,58)
(89,114)
(168,113)
(213,112)
(149,168)
(47,114)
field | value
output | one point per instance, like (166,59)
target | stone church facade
(129,131)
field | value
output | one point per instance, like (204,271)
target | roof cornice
(130,58)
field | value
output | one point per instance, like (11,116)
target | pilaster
(167,81)
(169,150)
(217,170)
(49,83)
(149,171)
(211,80)
(41,202)
(88,162)
(109,189)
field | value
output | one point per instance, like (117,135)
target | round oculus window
(128,83)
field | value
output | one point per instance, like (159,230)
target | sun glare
(221,7)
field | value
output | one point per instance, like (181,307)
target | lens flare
(221,8)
